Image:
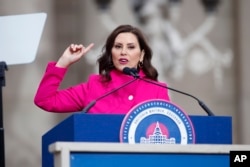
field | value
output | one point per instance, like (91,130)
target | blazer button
(130,97)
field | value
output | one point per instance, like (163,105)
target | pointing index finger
(89,47)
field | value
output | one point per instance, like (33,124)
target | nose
(124,51)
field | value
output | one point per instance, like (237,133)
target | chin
(120,68)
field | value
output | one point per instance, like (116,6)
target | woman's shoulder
(97,78)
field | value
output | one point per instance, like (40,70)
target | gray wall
(71,21)
(242,39)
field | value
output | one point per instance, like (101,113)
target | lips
(123,60)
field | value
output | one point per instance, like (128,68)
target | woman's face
(126,51)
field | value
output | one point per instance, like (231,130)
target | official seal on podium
(157,122)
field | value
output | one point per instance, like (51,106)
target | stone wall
(71,21)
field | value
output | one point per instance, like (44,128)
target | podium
(82,154)
(95,128)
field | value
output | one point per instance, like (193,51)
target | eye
(117,46)
(131,47)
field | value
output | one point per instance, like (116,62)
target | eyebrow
(122,44)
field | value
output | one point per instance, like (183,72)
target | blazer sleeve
(49,98)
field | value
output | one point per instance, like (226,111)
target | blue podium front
(94,154)
(106,128)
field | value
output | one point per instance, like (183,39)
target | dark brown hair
(105,61)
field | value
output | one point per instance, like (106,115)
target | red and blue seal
(157,122)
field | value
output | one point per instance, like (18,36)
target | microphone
(93,102)
(134,73)
(131,71)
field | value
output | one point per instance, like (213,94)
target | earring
(140,64)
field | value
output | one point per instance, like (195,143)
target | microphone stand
(201,103)
(92,103)
(3,67)
(133,72)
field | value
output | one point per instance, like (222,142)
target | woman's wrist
(62,64)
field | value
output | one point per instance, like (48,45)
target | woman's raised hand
(72,54)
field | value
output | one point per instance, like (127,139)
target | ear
(142,55)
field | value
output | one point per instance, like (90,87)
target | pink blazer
(75,98)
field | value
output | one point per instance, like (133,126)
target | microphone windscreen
(134,70)
(126,70)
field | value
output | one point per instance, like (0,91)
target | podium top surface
(146,148)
